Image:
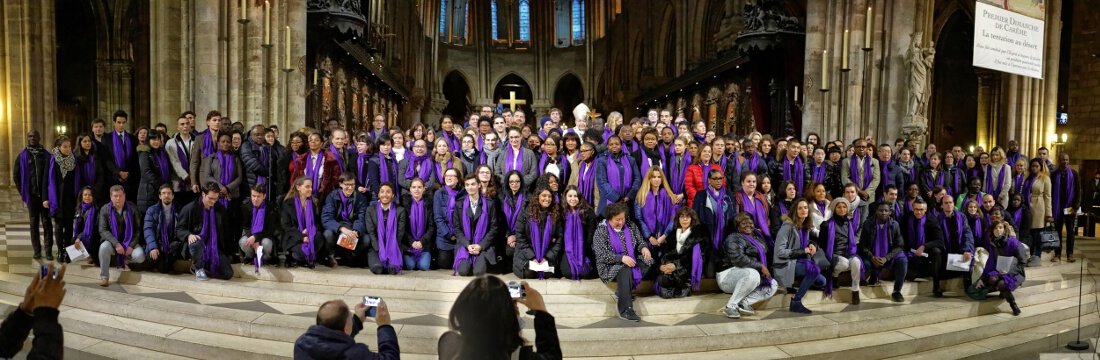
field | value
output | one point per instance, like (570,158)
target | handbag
(1049,239)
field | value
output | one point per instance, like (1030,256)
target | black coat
(272,227)
(372,221)
(190,221)
(525,248)
(428,240)
(490,231)
(682,259)
(63,200)
(291,235)
(320,342)
(149,185)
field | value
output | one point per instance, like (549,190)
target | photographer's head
(335,315)
(486,316)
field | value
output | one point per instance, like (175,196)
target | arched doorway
(76,65)
(457,92)
(954,112)
(567,94)
(506,86)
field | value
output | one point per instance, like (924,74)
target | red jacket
(695,181)
(330,176)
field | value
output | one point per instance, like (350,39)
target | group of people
(650,198)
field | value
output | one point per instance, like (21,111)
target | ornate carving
(344,16)
(766,24)
(920,81)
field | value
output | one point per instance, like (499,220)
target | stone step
(1025,344)
(190,320)
(425,301)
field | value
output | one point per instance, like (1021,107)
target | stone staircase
(258,316)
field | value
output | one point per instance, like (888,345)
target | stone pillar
(170,30)
(27,78)
(206,64)
(295,11)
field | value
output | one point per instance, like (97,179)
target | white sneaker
(200,275)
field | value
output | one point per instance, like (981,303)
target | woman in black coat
(302,231)
(538,236)
(681,267)
(577,254)
(89,169)
(421,230)
(155,171)
(387,232)
(62,196)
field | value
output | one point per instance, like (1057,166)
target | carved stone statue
(920,81)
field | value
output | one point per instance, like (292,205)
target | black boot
(1011,302)
(855,298)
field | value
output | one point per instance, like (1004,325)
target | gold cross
(592,114)
(511,101)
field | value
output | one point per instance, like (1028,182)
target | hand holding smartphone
(371,302)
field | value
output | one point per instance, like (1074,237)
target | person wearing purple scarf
(794,255)
(818,168)
(751,160)
(538,236)
(30,177)
(120,148)
(301,222)
(475,225)
(204,145)
(155,171)
(418,164)
(956,238)
(584,174)
(743,269)
(515,156)
(616,177)
(383,166)
(679,160)
(121,237)
(338,147)
(448,198)
(89,167)
(344,221)
(552,161)
(201,224)
(1066,198)
(621,256)
(258,159)
(223,168)
(159,228)
(754,203)
(386,230)
(62,193)
(837,238)
(579,224)
(512,201)
(920,227)
(654,208)
(1004,247)
(422,231)
(881,246)
(85,231)
(681,258)
(179,148)
(258,227)
(977,221)
(861,169)
(792,168)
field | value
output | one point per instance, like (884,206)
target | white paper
(955,263)
(914,251)
(1067,211)
(76,254)
(1005,264)
(544,266)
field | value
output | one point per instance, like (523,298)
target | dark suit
(372,223)
(129,151)
(464,215)
(190,222)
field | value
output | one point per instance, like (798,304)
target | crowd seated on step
(654,198)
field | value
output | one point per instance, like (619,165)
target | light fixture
(971,149)
(1052,138)
(1065,137)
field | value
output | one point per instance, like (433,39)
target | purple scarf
(719,210)
(183,155)
(853,171)
(976,230)
(830,246)
(208,146)
(415,167)
(228,165)
(85,234)
(308,225)
(619,181)
(452,140)
(51,193)
(346,207)
(452,194)
(617,243)
(929,180)
(265,160)
(24,162)
(510,158)
(799,173)
(753,162)
(1011,248)
(339,156)
(512,209)
(161,159)
(313,171)
(1064,194)
(995,191)
(818,173)
(361,169)
(657,212)
(957,241)
(1018,216)
(259,215)
(439,169)
(919,229)
(762,252)
(881,247)
(209,234)
(417,222)
(122,151)
(384,169)
(85,172)
(166,227)
(812,270)
(643,165)
(562,162)
(752,206)
(389,252)
(128,237)
(574,243)
(1026,192)
(541,241)
(480,229)
(677,174)
(586,181)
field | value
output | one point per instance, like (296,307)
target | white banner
(1008,41)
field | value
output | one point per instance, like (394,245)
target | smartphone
(45,271)
(371,303)
(517,290)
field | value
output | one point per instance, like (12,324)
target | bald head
(334,314)
(33,138)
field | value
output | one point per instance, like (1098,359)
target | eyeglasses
(513,181)
(717,178)
(514,137)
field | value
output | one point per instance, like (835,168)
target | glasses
(513,181)
(717,178)
(587,150)
(514,137)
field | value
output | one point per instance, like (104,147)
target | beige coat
(1040,202)
(575,175)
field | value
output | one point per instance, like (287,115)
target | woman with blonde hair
(1041,212)
(998,177)
(653,207)
(613,121)
(444,159)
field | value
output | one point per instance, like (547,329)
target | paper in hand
(955,263)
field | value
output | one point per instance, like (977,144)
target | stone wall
(1084,84)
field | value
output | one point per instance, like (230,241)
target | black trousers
(624,288)
(356,258)
(940,272)
(321,251)
(224,269)
(567,272)
(63,228)
(376,265)
(444,259)
(474,266)
(40,217)
(166,258)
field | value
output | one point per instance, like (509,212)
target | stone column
(27,78)
(205,68)
(169,52)
(295,11)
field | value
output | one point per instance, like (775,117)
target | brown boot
(103,282)
(1070,258)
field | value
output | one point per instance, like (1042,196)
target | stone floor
(258,316)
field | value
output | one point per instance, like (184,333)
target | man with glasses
(862,170)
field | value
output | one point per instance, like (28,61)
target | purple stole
(122,151)
(85,172)
(452,194)
(752,206)
(339,157)
(1011,248)
(208,146)
(700,138)
(540,241)
(461,254)
(183,155)
(762,253)
(574,243)
(696,266)
(953,189)
(361,169)
(1018,184)
(821,207)
(1026,191)
(85,233)
(658,211)
(228,165)
(439,169)
(818,173)
(51,193)
(918,228)
(929,181)
(563,166)
(161,159)
(719,211)
(1063,195)
(452,140)
(618,242)
(587,180)
(510,158)
(958,240)
(416,168)
(123,238)
(853,171)
(209,235)
(995,191)
(677,174)
(1018,216)
(24,162)
(621,182)
(812,270)
(259,216)
(753,163)
(389,251)
(608,132)
(799,175)
(417,228)
(830,247)
(307,224)
(644,163)
(313,171)
(384,170)
(976,230)
(512,209)
(346,208)
(167,227)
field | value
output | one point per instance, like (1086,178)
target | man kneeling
(334,335)
(120,235)
(200,224)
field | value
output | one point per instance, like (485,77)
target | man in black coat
(259,226)
(31,178)
(200,224)
(259,159)
(333,337)
(120,149)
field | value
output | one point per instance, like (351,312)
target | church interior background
(843,69)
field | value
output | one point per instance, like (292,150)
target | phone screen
(372,305)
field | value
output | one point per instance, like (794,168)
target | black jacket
(428,240)
(682,258)
(48,338)
(34,186)
(738,252)
(250,155)
(149,185)
(546,340)
(525,247)
(190,221)
(289,221)
(320,342)
(867,239)
(271,228)
(401,218)
(63,200)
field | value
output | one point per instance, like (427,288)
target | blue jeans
(804,283)
(423,263)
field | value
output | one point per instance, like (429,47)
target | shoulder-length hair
(646,184)
(536,212)
(582,204)
(485,314)
(790,218)
(686,211)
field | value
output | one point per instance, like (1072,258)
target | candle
(844,55)
(796,93)
(286,43)
(824,70)
(870,22)
(243,9)
(314,76)
(267,22)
